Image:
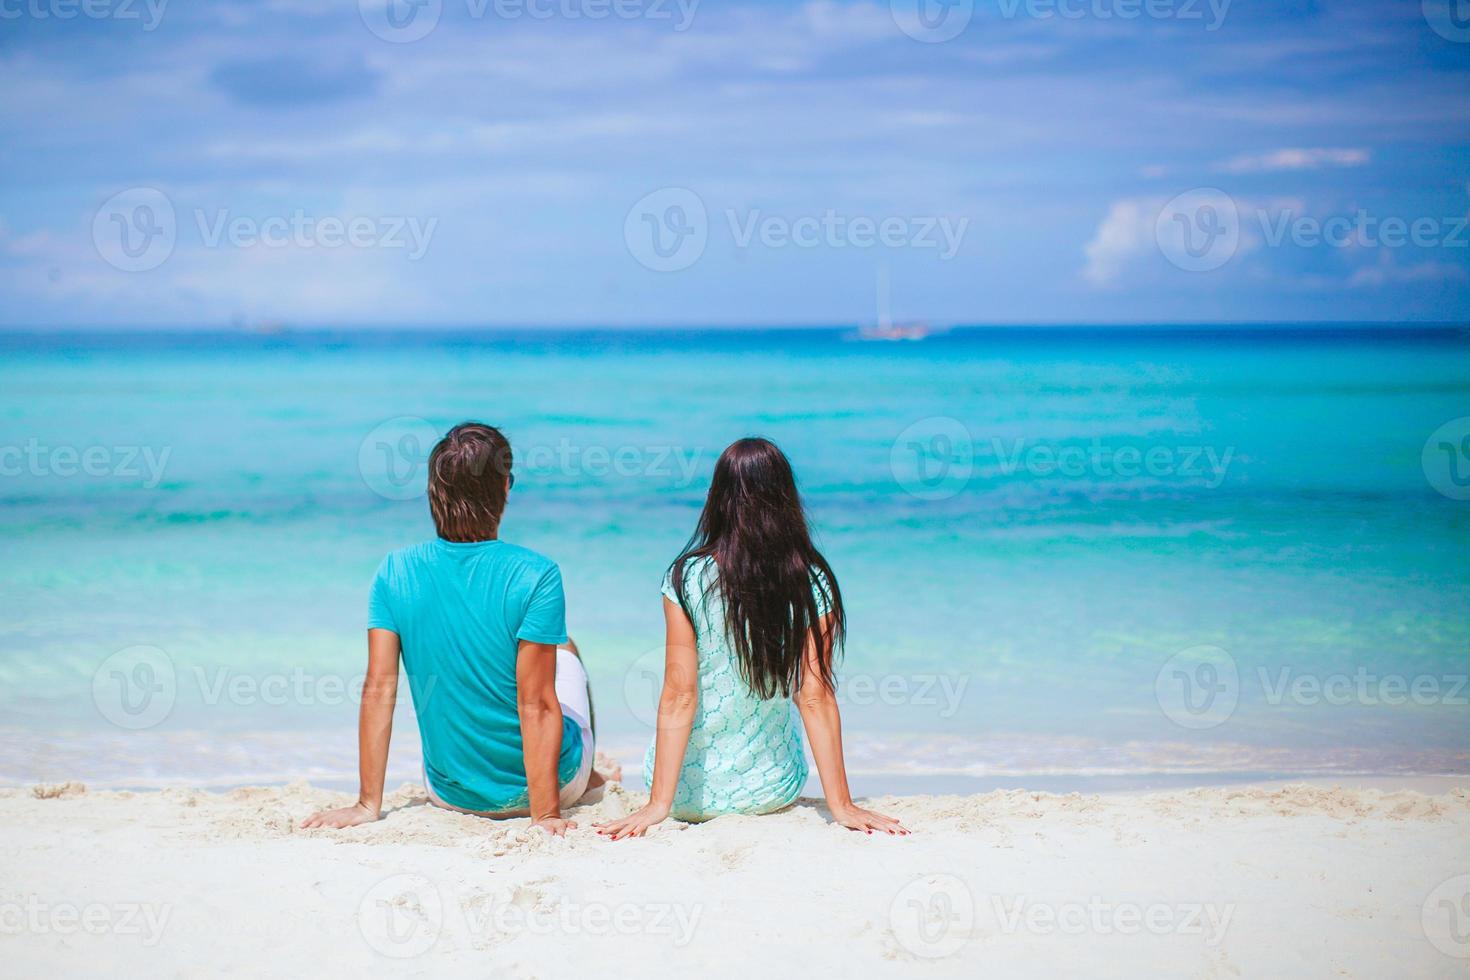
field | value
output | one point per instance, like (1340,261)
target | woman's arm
(819,713)
(676,707)
(374,732)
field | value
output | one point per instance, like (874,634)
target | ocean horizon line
(286,334)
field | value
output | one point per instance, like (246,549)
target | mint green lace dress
(745,755)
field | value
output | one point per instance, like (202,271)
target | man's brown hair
(468,471)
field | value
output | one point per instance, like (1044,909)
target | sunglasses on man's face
(510,481)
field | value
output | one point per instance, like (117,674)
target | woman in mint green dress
(753,617)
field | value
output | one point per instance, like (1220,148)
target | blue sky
(1014,161)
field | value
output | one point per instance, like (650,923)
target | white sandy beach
(1263,881)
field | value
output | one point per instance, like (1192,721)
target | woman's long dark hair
(754,527)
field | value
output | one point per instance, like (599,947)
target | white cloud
(530,137)
(1388,271)
(1294,158)
(1124,234)
(206,285)
(517,135)
(846,22)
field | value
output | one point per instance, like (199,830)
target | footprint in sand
(735,857)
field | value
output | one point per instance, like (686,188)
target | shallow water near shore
(1092,554)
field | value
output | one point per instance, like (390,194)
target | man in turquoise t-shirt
(503,705)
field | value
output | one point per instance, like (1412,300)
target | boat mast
(885,323)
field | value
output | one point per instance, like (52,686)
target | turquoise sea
(1140,555)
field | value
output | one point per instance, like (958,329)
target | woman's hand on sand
(856,818)
(347,816)
(635,824)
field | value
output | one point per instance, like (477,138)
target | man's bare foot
(605,770)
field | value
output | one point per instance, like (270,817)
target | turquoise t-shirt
(744,754)
(460,610)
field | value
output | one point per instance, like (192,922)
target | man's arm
(374,732)
(541,729)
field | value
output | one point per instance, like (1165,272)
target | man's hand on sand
(347,816)
(555,826)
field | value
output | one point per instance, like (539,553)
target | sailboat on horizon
(886,329)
